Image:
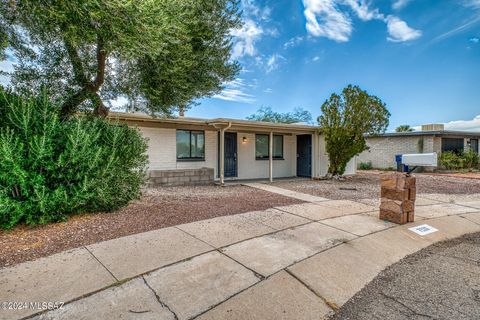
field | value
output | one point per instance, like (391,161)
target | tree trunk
(89,89)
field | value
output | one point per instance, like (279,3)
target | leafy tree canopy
(345,119)
(404,128)
(160,54)
(268,115)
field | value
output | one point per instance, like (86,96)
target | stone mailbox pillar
(398,193)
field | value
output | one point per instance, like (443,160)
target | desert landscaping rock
(146,251)
(366,184)
(275,219)
(194,286)
(280,297)
(132,300)
(271,253)
(58,278)
(223,231)
(359,225)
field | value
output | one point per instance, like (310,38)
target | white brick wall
(162,150)
(383,149)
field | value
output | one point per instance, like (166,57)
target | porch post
(270,156)
(222,156)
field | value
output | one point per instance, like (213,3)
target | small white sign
(423,229)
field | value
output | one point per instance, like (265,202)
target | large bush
(50,169)
(466,160)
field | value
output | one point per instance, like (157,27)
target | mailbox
(420,159)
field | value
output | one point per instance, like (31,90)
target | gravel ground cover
(158,208)
(366,185)
(439,282)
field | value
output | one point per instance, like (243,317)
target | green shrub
(451,161)
(50,169)
(471,159)
(366,165)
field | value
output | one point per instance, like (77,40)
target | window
(455,145)
(190,145)
(262,148)
(474,145)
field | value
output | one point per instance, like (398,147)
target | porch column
(222,156)
(270,156)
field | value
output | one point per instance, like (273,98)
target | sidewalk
(293,262)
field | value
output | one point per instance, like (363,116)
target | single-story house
(431,138)
(190,150)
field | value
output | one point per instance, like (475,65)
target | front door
(230,155)
(304,155)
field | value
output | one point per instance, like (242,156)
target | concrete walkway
(294,262)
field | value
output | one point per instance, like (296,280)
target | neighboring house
(431,138)
(186,150)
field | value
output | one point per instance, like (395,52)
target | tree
(268,115)
(404,128)
(160,54)
(345,120)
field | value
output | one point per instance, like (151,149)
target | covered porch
(261,151)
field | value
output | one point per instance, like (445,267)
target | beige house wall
(162,154)
(383,149)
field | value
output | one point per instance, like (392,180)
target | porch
(259,151)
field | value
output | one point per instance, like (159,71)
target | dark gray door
(304,155)
(230,154)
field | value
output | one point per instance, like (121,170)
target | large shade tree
(268,115)
(345,120)
(161,54)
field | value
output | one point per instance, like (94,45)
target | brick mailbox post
(398,193)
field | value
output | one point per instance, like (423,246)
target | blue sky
(421,57)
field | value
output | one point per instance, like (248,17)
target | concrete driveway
(292,262)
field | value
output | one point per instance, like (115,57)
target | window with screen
(190,145)
(262,147)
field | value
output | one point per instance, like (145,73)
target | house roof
(439,133)
(237,123)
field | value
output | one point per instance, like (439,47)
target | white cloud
(474,40)
(245,39)
(236,91)
(324,19)
(399,31)
(456,30)
(268,90)
(399,4)
(316,58)
(329,19)
(464,125)
(362,10)
(293,42)
(252,10)
(472,3)
(273,62)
